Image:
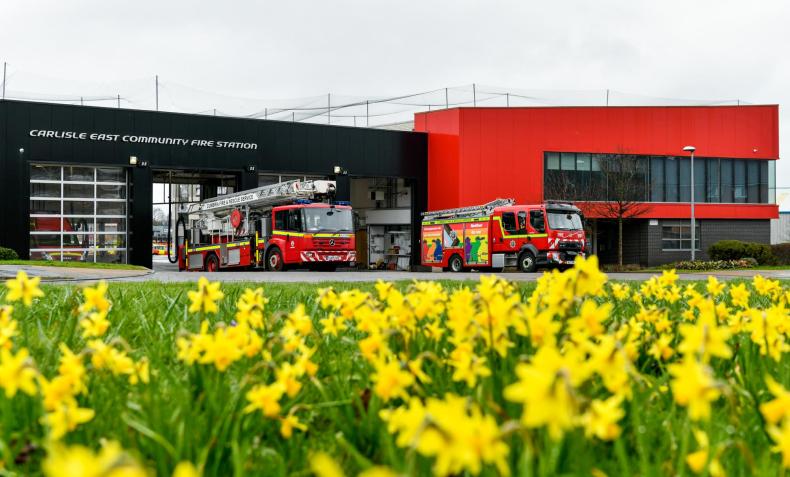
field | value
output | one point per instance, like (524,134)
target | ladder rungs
(485,209)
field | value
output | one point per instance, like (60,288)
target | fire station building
(536,154)
(103,184)
(99,184)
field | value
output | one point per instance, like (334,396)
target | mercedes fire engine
(501,234)
(292,223)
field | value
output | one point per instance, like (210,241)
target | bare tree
(620,192)
(559,185)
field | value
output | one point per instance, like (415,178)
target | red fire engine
(501,234)
(271,227)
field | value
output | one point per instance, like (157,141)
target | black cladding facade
(281,147)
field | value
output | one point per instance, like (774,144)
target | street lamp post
(691,150)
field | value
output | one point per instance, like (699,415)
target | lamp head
(689,148)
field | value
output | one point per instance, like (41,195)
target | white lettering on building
(130,138)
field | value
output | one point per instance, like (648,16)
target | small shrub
(781,253)
(712,264)
(760,252)
(8,254)
(735,250)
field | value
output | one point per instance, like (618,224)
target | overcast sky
(291,49)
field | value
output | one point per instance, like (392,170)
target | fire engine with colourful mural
(502,234)
(274,227)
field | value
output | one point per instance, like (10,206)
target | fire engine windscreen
(328,220)
(564,221)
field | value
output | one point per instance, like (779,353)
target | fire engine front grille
(331,242)
(570,246)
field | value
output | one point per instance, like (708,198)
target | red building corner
(534,154)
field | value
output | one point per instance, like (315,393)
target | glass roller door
(78,213)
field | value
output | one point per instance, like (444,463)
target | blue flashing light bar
(341,202)
(303,201)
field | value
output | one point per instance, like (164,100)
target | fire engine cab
(274,227)
(502,234)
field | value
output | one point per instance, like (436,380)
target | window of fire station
(583,176)
(676,236)
(78,213)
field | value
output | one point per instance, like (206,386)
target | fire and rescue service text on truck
(272,227)
(500,234)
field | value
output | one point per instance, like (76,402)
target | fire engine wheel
(455,264)
(274,260)
(212,263)
(526,262)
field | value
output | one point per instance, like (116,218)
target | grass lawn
(50,263)
(242,398)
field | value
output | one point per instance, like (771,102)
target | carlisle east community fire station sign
(174,141)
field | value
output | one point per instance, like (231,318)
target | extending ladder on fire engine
(268,195)
(471,211)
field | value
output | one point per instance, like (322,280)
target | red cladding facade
(478,154)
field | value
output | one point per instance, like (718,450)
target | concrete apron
(57,274)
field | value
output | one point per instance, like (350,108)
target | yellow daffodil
(714,286)
(65,417)
(739,295)
(72,368)
(697,460)
(590,320)
(468,368)
(204,299)
(287,376)
(453,431)
(288,424)
(8,326)
(110,461)
(142,372)
(390,380)
(95,299)
(300,321)
(323,465)
(778,408)
(221,350)
(17,372)
(662,349)
(185,469)
(265,398)
(781,438)
(693,386)
(94,325)
(621,291)
(23,288)
(378,471)
(332,325)
(602,417)
(546,387)
(705,338)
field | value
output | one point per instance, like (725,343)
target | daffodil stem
(361,460)
(622,456)
(684,445)
(323,405)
